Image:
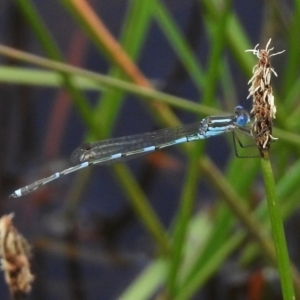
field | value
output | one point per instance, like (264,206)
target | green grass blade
(179,44)
(278,232)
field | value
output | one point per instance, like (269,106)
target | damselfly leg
(238,143)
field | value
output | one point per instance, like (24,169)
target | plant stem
(278,231)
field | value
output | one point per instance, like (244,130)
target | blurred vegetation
(198,244)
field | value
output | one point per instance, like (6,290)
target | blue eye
(242,120)
(242,116)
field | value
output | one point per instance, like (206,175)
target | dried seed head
(263,109)
(14,253)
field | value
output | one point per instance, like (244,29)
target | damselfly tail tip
(15,194)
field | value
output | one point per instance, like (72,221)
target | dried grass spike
(263,108)
(14,253)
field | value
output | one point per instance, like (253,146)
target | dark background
(105,231)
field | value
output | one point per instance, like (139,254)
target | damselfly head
(242,116)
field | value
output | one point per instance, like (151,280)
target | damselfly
(133,146)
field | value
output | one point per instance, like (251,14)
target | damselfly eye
(242,116)
(242,120)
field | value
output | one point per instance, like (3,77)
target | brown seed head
(14,253)
(263,108)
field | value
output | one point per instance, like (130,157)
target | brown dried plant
(14,253)
(263,108)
